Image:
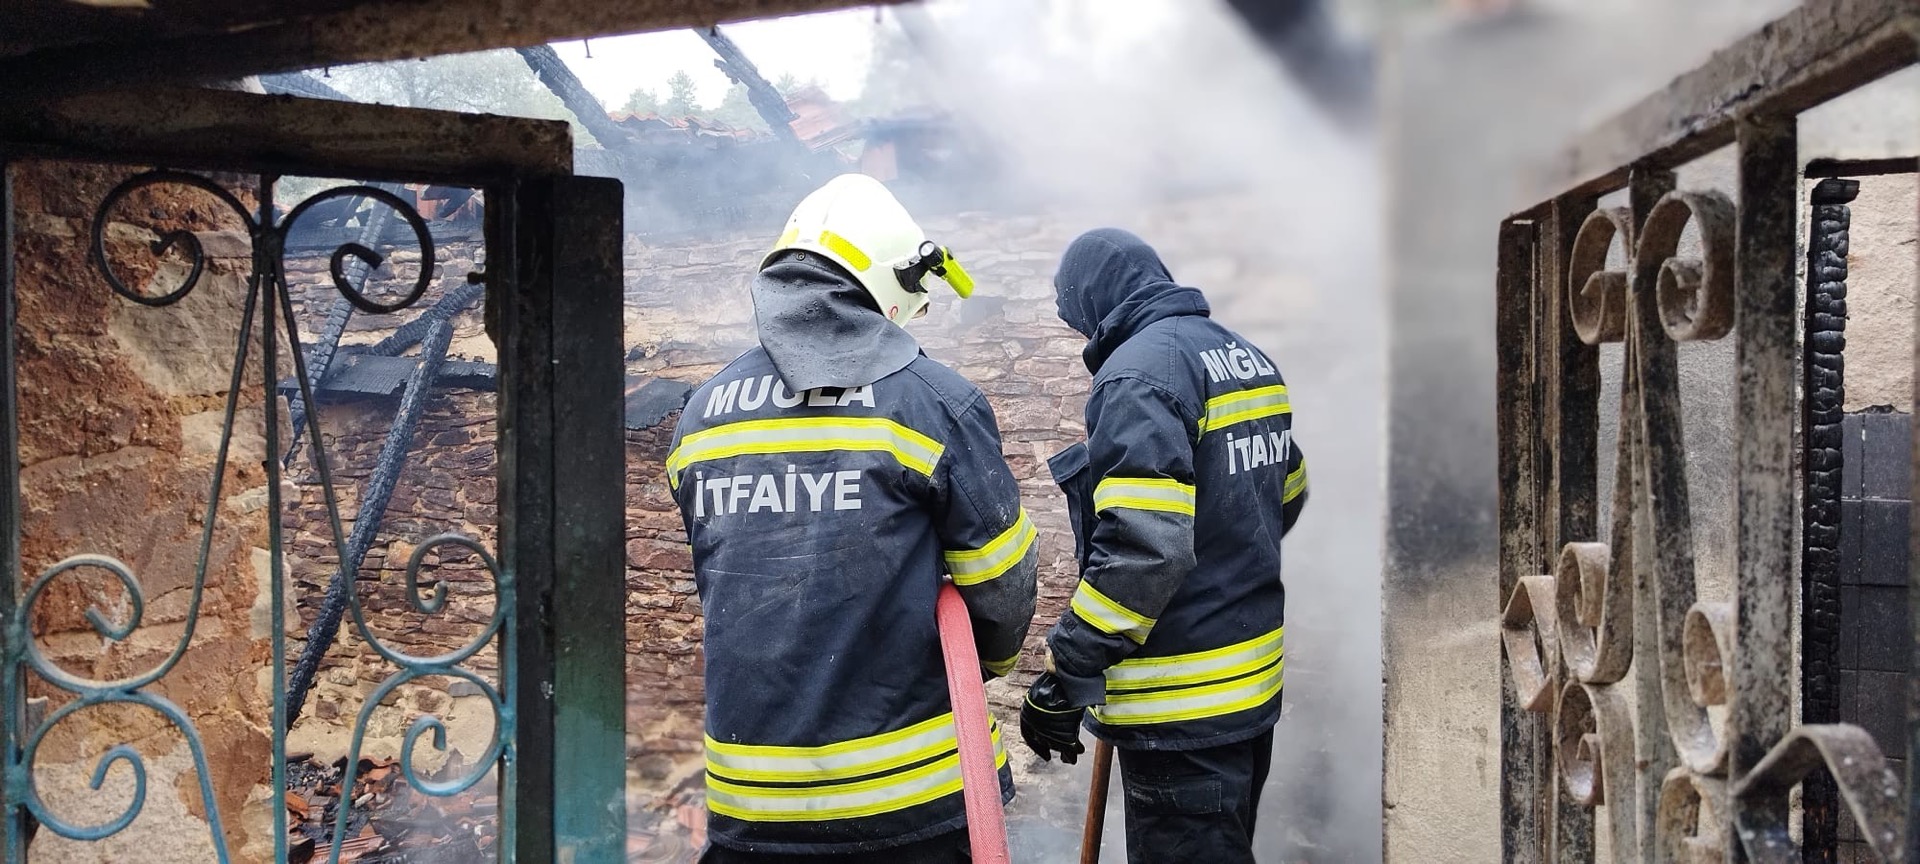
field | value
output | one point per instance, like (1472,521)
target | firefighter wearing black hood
(1171,649)
(830,479)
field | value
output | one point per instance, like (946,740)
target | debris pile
(672,829)
(388,821)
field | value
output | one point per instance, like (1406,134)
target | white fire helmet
(855,222)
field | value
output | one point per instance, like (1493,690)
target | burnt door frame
(553,281)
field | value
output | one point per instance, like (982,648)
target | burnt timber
(52,46)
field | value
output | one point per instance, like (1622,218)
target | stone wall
(120,414)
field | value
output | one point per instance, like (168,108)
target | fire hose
(979,778)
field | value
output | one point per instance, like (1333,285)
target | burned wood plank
(650,400)
(553,72)
(371,375)
(1819,169)
(224,130)
(1822,373)
(1810,55)
(369,31)
(765,98)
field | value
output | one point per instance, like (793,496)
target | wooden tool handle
(1096,803)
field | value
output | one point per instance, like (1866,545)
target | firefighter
(830,478)
(1171,648)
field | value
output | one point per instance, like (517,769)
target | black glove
(1050,722)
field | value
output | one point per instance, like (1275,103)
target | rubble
(388,821)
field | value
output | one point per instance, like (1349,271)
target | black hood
(821,329)
(1111,285)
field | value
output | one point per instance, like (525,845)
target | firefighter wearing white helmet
(830,478)
(856,223)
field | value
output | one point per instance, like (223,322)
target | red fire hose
(979,778)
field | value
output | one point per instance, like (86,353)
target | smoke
(1111,113)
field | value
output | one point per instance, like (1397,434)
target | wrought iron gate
(552,282)
(1703,764)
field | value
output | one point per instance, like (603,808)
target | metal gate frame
(1586,616)
(553,279)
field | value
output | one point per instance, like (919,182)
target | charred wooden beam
(1810,55)
(365,32)
(226,131)
(360,375)
(1818,169)
(301,84)
(1822,369)
(553,72)
(650,400)
(765,97)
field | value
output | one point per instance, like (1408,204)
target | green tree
(737,110)
(642,101)
(680,96)
(491,82)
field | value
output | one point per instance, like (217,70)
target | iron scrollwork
(1659,299)
(267,298)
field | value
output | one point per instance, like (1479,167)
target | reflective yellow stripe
(1099,610)
(805,435)
(840,761)
(1241,406)
(1296,482)
(1199,667)
(1002,667)
(869,797)
(974,566)
(1193,703)
(844,248)
(1170,496)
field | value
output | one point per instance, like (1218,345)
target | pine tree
(737,110)
(642,101)
(680,96)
